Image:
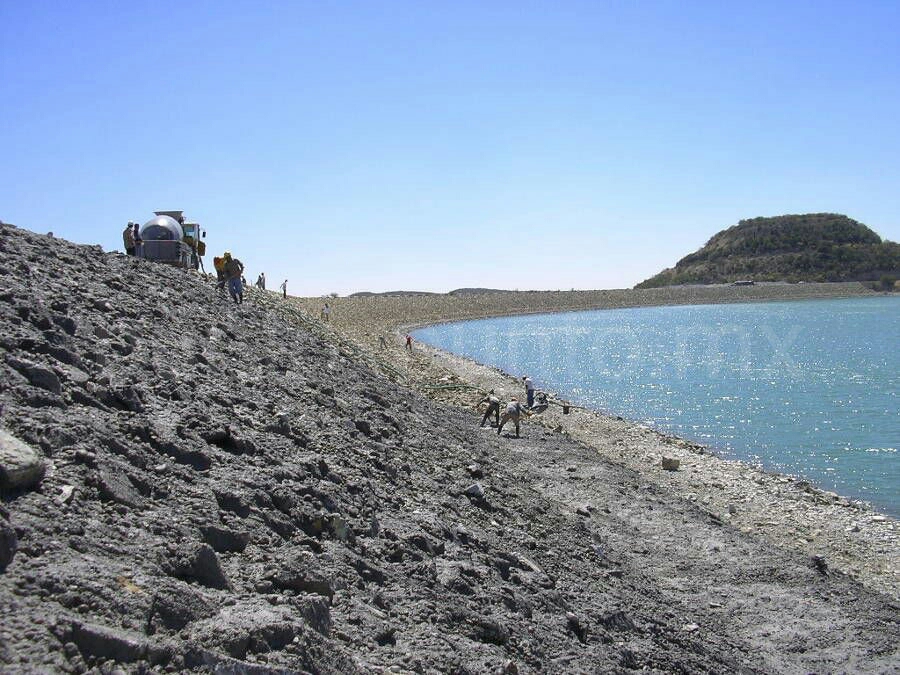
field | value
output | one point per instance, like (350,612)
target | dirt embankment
(788,512)
(189,485)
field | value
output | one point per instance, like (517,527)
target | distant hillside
(398,294)
(477,291)
(810,247)
(393,294)
(457,291)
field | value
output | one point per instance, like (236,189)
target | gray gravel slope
(220,490)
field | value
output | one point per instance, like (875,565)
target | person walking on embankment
(234,268)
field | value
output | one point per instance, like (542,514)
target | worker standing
(284,288)
(529,391)
(128,238)
(234,268)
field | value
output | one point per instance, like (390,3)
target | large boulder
(249,628)
(196,562)
(21,466)
(300,571)
(114,486)
(117,644)
(177,604)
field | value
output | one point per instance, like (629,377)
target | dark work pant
(506,418)
(492,408)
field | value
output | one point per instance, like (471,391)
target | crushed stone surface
(243,489)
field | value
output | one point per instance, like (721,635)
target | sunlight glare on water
(806,388)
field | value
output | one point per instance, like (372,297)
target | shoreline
(722,453)
(788,511)
(381,311)
(641,305)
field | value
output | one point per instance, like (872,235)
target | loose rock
(21,466)
(670,463)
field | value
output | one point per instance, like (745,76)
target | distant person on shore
(493,408)
(326,313)
(382,342)
(128,238)
(137,237)
(514,411)
(234,269)
(261,281)
(409,342)
(283,288)
(529,391)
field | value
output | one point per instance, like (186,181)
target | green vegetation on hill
(810,247)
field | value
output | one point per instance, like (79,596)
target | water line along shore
(787,511)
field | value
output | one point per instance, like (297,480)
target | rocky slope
(808,247)
(189,485)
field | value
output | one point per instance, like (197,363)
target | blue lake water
(807,388)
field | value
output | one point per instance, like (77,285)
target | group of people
(229,270)
(132,241)
(514,411)
(131,237)
(230,273)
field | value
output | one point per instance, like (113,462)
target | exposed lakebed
(806,388)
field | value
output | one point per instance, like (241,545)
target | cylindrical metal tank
(161,228)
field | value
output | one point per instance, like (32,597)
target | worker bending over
(493,408)
(514,411)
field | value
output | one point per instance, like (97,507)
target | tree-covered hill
(809,247)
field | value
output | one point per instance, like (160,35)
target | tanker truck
(169,238)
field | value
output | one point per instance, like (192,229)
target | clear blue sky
(433,145)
